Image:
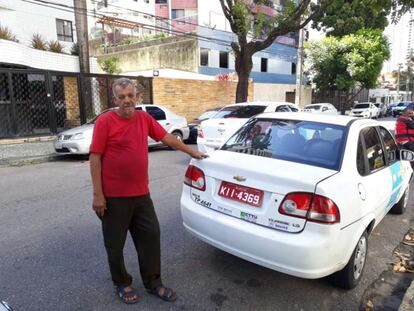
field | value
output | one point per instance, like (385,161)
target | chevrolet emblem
(239,178)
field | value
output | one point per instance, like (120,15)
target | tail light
(194,177)
(312,207)
(200,132)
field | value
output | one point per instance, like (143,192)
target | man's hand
(99,204)
(198,155)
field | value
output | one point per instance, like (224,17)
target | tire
(401,206)
(351,274)
(178,136)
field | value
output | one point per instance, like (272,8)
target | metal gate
(32,102)
(35,102)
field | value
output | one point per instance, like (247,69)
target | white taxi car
(364,110)
(214,132)
(298,193)
(78,139)
(324,108)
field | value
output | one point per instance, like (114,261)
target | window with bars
(64,30)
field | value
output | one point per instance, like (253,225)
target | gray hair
(123,83)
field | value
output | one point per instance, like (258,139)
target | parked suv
(396,111)
(78,139)
(214,132)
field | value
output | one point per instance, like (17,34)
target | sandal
(124,295)
(168,294)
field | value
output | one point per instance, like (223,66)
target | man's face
(125,99)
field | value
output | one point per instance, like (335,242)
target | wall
(72,102)
(25,19)
(16,53)
(277,92)
(190,98)
(156,54)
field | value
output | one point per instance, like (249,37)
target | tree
(241,15)
(400,7)
(346,62)
(110,64)
(344,17)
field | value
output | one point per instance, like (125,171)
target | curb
(26,140)
(28,160)
(407,304)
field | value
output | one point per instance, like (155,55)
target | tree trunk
(244,65)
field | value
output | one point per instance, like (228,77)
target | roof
(313,117)
(261,103)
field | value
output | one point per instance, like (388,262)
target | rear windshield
(360,106)
(312,143)
(313,107)
(247,111)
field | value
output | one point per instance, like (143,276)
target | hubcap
(360,256)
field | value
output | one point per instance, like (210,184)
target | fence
(35,102)
(341,100)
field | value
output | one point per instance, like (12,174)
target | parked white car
(382,109)
(364,110)
(78,139)
(324,108)
(214,132)
(298,193)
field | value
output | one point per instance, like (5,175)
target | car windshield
(207,115)
(403,104)
(247,111)
(312,143)
(313,107)
(377,105)
(361,106)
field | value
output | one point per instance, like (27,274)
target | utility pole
(81,23)
(299,65)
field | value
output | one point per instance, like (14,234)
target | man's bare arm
(99,202)
(173,142)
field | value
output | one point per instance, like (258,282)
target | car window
(373,149)
(306,142)
(247,111)
(361,106)
(293,108)
(282,108)
(156,112)
(391,148)
(313,107)
(360,162)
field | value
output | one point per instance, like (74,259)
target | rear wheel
(400,207)
(351,274)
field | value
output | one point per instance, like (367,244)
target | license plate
(58,145)
(242,194)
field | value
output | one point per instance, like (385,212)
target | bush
(6,34)
(55,46)
(38,42)
(110,64)
(130,40)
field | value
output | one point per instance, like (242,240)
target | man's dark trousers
(136,215)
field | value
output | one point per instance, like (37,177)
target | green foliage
(343,17)
(400,7)
(7,34)
(110,64)
(74,50)
(38,42)
(55,46)
(343,63)
(129,40)
(242,18)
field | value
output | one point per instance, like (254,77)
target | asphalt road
(52,255)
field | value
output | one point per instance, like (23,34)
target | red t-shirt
(123,144)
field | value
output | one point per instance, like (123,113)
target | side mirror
(406,155)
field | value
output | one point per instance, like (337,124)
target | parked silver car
(78,139)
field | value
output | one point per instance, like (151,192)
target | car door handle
(167,123)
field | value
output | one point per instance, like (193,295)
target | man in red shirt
(121,198)
(404,129)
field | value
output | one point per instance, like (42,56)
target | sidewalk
(23,151)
